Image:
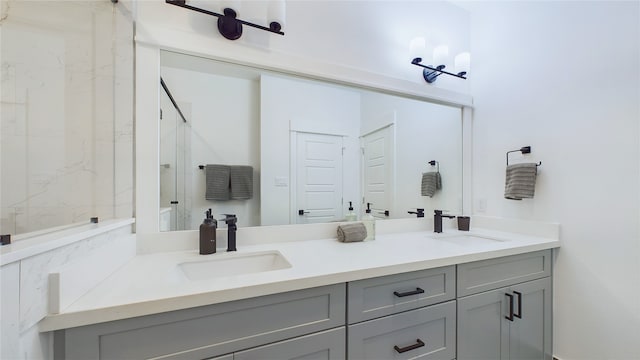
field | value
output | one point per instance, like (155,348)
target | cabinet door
(483,331)
(326,345)
(530,335)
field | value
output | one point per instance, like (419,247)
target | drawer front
(326,345)
(426,333)
(491,274)
(213,330)
(377,297)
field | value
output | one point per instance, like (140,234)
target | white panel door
(377,159)
(318,178)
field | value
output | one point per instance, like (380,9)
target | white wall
(224,124)
(321,41)
(370,35)
(299,105)
(563,77)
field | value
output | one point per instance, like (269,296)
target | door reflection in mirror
(245,116)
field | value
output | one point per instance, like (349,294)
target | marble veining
(34,273)
(67,114)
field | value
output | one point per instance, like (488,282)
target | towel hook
(523,150)
(435,163)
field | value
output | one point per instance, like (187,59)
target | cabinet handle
(510,316)
(409,293)
(419,343)
(519,314)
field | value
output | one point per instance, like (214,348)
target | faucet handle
(419,212)
(230,218)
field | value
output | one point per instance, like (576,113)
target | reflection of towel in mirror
(217,187)
(352,232)
(520,181)
(431,181)
(241,182)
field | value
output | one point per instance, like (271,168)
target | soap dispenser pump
(208,234)
(351,215)
(369,223)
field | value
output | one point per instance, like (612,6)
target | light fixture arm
(430,73)
(229,26)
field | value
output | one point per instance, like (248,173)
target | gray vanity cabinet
(492,309)
(404,316)
(512,322)
(214,330)
(326,345)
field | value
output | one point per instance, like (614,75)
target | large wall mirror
(312,148)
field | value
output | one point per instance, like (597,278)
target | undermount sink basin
(220,265)
(467,240)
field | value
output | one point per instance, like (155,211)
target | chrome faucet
(231,220)
(437,220)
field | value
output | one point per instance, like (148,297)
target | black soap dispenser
(208,234)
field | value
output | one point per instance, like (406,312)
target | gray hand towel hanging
(241,182)
(520,181)
(431,181)
(217,182)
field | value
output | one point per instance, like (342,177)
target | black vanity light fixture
(440,56)
(230,26)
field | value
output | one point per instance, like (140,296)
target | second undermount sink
(467,239)
(226,264)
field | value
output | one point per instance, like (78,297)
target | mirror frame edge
(147,105)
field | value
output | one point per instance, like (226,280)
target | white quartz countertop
(153,283)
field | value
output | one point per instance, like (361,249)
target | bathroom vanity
(445,296)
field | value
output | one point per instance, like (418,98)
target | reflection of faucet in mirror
(419,212)
(231,220)
(370,137)
(437,220)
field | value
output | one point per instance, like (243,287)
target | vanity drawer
(427,333)
(326,345)
(377,297)
(212,330)
(491,274)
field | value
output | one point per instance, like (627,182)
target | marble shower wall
(67,113)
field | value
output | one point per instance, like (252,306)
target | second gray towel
(520,181)
(431,181)
(241,182)
(217,182)
(352,232)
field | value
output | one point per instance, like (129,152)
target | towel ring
(523,150)
(435,163)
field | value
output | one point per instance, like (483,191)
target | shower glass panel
(66,119)
(175,175)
